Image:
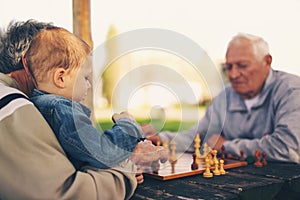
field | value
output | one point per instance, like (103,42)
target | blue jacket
(84,144)
(272,125)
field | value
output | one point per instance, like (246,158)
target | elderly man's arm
(284,143)
(34,165)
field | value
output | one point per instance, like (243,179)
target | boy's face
(79,82)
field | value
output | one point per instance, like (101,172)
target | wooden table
(274,181)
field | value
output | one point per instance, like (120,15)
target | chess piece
(216,170)
(158,143)
(222,170)
(215,152)
(173,151)
(173,157)
(197,141)
(257,159)
(210,158)
(207,173)
(173,166)
(194,165)
(264,161)
(166,146)
(242,158)
(223,152)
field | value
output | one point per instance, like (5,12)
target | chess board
(182,167)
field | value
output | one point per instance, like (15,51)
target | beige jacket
(34,166)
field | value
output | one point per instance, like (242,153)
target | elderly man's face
(245,72)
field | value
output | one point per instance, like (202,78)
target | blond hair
(54,48)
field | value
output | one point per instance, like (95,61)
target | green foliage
(111,74)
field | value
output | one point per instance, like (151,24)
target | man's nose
(234,72)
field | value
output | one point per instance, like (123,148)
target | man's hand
(150,133)
(145,153)
(216,141)
(124,114)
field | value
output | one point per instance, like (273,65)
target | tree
(111,74)
(82,20)
(82,28)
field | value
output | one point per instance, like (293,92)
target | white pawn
(207,173)
(217,171)
(222,170)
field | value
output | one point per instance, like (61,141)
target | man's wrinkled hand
(145,153)
(150,133)
(216,141)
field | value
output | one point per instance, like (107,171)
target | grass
(172,123)
(169,125)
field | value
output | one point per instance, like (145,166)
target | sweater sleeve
(34,166)
(284,143)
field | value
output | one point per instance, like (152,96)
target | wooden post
(82,28)
(82,20)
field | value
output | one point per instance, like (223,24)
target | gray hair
(259,45)
(15,40)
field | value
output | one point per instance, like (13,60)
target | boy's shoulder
(41,98)
(46,101)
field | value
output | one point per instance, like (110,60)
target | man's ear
(268,59)
(59,77)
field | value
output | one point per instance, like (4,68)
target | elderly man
(33,164)
(257,111)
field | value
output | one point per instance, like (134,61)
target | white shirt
(250,102)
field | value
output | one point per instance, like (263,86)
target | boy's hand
(124,114)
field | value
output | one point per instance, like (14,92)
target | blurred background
(210,24)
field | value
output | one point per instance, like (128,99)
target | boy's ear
(59,77)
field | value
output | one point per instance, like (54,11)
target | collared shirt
(84,144)
(271,125)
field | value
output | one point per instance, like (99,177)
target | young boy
(57,59)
